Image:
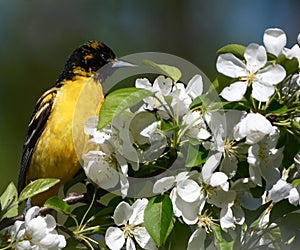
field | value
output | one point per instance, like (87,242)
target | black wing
(36,126)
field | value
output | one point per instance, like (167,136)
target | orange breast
(59,149)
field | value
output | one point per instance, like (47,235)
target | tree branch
(72,199)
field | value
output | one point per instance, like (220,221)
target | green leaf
(223,240)
(196,103)
(179,237)
(166,126)
(58,205)
(158,219)
(295,182)
(119,100)
(8,202)
(236,49)
(170,71)
(36,187)
(277,109)
(290,65)
(280,209)
(194,156)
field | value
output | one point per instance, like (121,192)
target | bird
(55,137)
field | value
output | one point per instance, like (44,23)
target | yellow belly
(59,149)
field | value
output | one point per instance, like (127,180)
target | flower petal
(274,40)
(188,210)
(51,223)
(218,179)
(101,173)
(141,236)
(231,66)
(256,57)
(124,184)
(24,245)
(17,230)
(122,213)
(31,213)
(129,244)
(195,86)
(226,218)
(163,85)
(294,197)
(137,216)
(163,184)
(222,198)
(234,92)
(37,229)
(114,238)
(143,83)
(271,75)
(262,92)
(188,190)
(254,127)
(53,241)
(210,166)
(280,190)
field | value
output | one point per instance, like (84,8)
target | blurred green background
(36,37)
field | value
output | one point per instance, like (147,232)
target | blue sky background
(37,36)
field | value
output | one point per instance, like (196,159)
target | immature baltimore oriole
(56,125)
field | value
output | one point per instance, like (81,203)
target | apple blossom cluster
(36,232)
(255,70)
(135,138)
(129,220)
(239,161)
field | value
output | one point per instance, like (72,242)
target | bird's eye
(105,56)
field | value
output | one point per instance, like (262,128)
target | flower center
(228,146)
(249,78)
(128,229)
(205,221)
(208,190)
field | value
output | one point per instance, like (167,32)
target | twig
(73,199)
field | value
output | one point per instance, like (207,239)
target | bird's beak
(120,64)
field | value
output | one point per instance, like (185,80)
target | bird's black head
(86,60)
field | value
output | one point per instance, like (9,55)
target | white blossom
(264,160)
(274,40)
(294,195)
(108,166)
(170,99)
(186,195)
(254,127)
(129,220)
(212,178)
(161,88)
(221,125)
(100,168)
(196,127)
(280,191)
(254,72)
(37,232)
